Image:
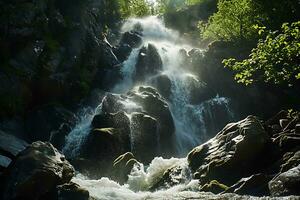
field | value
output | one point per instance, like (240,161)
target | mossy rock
(214,186)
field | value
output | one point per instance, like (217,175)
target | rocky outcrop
(253,156)
(149,63)
(163,84)
(72,191)
(36,172)
(10,146)
(231,150)
(286,183)
(50,123)
(52,51)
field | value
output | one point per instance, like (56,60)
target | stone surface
(149,63)
(286,183)
(41,122)
(231,150)
(255,185)
(72,191)
(36,172)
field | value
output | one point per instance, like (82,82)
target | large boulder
(163,84)
(232,150)
(72,191)
(104,144)
(42,122)
(286,183)
(150,114)
(10,146)
(144,137)
(132,38)
(36,172)
(148,63)
(197,90)
(156,106)
(255,185)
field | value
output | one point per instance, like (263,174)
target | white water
(188,132)
(168,42)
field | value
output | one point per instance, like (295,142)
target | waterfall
(193,122)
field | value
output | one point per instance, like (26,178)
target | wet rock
(144,136)
(151,124)
(42,121)
(291,162)
(132,38)
(297,129)
(149,63)
(116,120)
(163,84)
(58,137)
(72,191)
(255,185)
(104,144)
(122,167)
(155,106)
(10,146)
(122,52)
(36,172)
(214,187)
(286,183)
(232,150)
(198,91)
(174,175)
(283,114)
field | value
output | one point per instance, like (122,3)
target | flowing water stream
(189,132)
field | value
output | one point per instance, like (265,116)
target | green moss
(214,186)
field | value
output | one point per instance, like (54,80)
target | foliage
(166,6)
(234,20)
(136,8)
(275,59)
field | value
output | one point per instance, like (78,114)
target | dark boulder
(175,175)
(132,38)
(156,106)
(36,172)
(214,187)
(144,137)
(104,144)
(292,161)
(122,51)
(44,120)
(286,183)
(231,150)
(149,63)
(163,84)
(255,185)
(10,145)
(197,90)
(72,191)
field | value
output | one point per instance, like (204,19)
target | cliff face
(51,51)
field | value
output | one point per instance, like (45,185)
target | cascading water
(190,119)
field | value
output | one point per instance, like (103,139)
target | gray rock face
(41,123)
(10,146)
(72,191)
(231,150)
(286,183)
(36,172)
(149,63)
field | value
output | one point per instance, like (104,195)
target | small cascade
(77,136)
